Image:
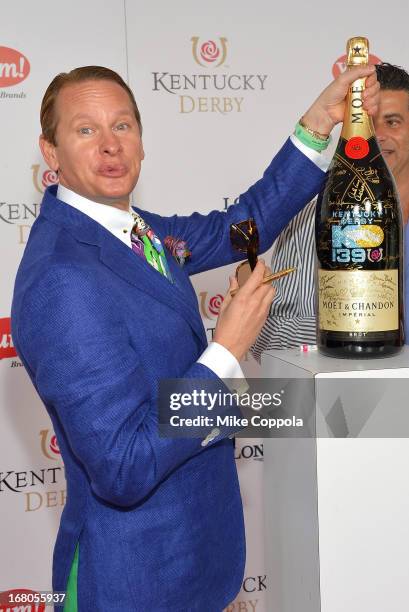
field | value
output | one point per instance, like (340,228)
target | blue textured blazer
(159,521)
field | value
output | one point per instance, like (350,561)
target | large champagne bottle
(359,240)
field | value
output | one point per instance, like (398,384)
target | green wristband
(309,140)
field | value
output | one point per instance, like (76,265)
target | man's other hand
(242,316)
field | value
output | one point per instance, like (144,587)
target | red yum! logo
(14,67)
(340,65)
(6,342)
(20,600)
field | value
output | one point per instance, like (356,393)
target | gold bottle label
(357,123)
(358,300)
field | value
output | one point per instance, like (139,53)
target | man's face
(99,148)
(392,130)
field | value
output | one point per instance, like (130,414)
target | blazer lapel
(136,271)
(178,295)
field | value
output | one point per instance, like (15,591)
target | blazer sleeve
(78,353)
(288,184)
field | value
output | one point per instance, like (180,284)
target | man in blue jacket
(102,311)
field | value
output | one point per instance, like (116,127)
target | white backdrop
(204,145)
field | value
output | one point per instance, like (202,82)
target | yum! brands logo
(209,53)
(14,67)
(215,89)
(21,600)
(7,349)
(340,65)
(49,444)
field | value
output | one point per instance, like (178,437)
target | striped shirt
(291,321)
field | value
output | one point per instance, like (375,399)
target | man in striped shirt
(292,316)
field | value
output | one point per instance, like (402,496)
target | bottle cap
(357,51)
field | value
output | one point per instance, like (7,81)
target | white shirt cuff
(320,160)
(221,361)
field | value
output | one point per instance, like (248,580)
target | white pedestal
(337,508)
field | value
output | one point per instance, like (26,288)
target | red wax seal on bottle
(357,147)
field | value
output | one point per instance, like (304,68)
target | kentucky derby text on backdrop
(13,213)
(251,584)
(219,92)
(21,216)
(242,606)
(34,483)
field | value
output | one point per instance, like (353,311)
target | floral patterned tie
(147,245)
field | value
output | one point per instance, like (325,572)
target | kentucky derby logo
(42,180)
(49,444)
(340,65)
(209,53)
(210,307)
(209,90)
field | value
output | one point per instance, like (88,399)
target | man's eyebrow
(125,112)
(393,115)
(81,116)
(89,116)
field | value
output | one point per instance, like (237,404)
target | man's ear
(49,153)
(142,152)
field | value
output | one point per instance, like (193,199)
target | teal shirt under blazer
(159,521)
